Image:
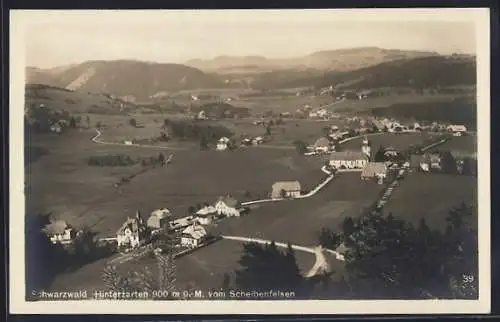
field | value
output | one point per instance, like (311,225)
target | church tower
(366,148)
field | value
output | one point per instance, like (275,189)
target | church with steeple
(133,232)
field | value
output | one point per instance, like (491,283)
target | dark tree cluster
(267,268)
(197,131)
(119,160)
(388,257)
(45,260)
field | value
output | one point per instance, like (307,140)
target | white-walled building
(227,206)
(193,236)
(59,232)
(348,160)
(205,215)
(287,189)
(222,144)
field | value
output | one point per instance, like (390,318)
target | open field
(62,183)
(461,144)
(117,129)
(431,196)
(299,221)
(280,104)
(397,141)
(305,130)
(384,101)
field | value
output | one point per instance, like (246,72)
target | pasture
(62,183)
(280,104)
(299,221)
(295,221)
(356,106)
(431,196)
(291,130)
(460,144)
(396,141)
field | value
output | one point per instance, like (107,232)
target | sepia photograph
(250,161)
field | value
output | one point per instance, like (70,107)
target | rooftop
(195,231)
(287,185)
(56,227)
(348,155)
(229,201)
(372,168)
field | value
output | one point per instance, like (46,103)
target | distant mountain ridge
(420,72)
(334,60)
(366,67)
(136,79)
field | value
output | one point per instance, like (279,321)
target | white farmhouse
(59,232)
(456,128)
(193,236)
(222,144)
(286,189)
(205,215)
(227,206)
(322,145)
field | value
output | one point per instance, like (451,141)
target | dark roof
(286,185)
(372,168)
(134,224)
(56,227)
(348,155)
(321,142)
(229,201)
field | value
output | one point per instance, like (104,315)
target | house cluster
(433,162)
(191,230)
(225,143)
(322,145)
(395,126)
(252,141)
(362,161)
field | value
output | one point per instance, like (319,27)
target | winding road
(321,264)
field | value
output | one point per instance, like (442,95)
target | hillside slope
(125,78)
(60,99)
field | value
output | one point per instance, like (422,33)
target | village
(387,166)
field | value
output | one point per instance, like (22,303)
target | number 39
(467,278)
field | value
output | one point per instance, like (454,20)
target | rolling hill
(134,80)
(59,99)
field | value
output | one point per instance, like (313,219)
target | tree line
(122,160)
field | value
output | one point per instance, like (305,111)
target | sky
(60,38)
